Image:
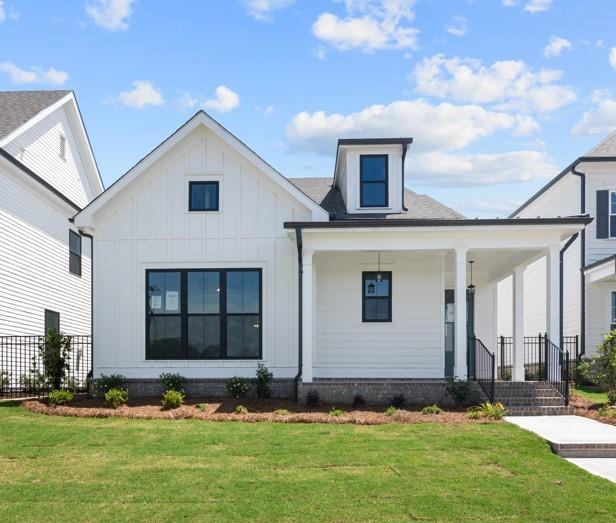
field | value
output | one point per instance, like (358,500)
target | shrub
(116,397)
(240,409)
(475,412)
(172,399)
(202,406)
(608,410)
(237,386)
(34,381)
(358,400)
(602,368)
(114,381)
(398,401)
(390,411)
(171,381)
(336,412)
(611,396)
(5,380)
(487,410)
(55,353)
(432,409)
(281,412)
(60,397)
(312,398)
(262,382)
(459,390)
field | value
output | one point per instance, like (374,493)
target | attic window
(62,147)
(373,180)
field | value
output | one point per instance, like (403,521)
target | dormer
(369,173)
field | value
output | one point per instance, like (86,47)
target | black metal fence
(483,366)
(22,371)
(556,368)
(534,356)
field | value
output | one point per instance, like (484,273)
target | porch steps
(530,398)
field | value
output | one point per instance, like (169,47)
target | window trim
(50,312)
(612,316)
(71,253)
(610,234)
(184,315)
(191,207)
(362,182)
(364,277)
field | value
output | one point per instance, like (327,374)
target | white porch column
(461,368)
(518,325)
(552,313)
(307,316)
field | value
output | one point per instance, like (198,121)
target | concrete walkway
(584,442)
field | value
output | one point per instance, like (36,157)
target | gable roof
(607,147)
(18,107)
(419,206)
(199,118)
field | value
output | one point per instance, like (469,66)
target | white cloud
(226,100)
(369,25)
(556,46)
(458,26)
(538,6)
(110,14)
(435,127)
(143,94)
(2,12)
(600,120)
(613,57)
(263,9)
(510,83)
(266,111)
(33,75)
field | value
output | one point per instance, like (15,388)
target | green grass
(71,469)
(591,393)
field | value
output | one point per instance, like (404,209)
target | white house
(47,174)
(585,187)
(209,261)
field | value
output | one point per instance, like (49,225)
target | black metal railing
(556,368)
(482,366)
(534,356)
(22,371)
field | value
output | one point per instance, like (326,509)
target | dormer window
(373,180)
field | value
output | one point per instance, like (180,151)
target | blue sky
(497,94)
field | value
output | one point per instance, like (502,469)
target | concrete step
(584,450)
(534,402)
(538,411)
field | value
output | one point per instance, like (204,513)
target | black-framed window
(74,252)
(376,296)
(52,321)
(613,312)
(203,314)
(373,180)
(203,196)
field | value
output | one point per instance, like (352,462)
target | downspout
(91,302)
(405,147)
(300,278)
(582,260)
(561,285)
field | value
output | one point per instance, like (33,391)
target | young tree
(55,353)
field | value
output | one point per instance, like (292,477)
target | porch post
(552,316)
(518,325)
(461,367)
(307,318)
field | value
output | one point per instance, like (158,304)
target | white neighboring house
(47,174)
(585,187)
(208,261)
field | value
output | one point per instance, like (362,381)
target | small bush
(611,396)
(494,411)
(281,412)
(432,409)
(601,369)
(202,406)
(5,380)
(240,409)
(114,381)
(398,401)
(336,412)
(391,410)
(608,410)
(237,386)
(60,397)
(172,399)
(262,382)
(358,400)
(312,398)
(55,353)
(475,412)
(116,397)
(459,390)
(172,381)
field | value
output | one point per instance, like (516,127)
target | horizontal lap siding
(411,344)
(597,180)
(598,314)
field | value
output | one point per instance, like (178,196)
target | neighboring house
(47,174)
(208,261)
(585,187)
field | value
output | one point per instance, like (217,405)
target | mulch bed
(589,409)
(217,409)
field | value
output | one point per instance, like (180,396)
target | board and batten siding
(39,148)
(411,346)
(148,225)
(34,265)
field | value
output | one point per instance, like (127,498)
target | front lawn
(593,394)
(83,469)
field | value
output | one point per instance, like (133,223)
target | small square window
(203,196)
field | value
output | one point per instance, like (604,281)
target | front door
(450,329)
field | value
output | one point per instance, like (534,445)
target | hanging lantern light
(371,288)
(471,287)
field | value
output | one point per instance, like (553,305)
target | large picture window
(203,314)
(373,180)
(376,296)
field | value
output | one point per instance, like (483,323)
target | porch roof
(601,270)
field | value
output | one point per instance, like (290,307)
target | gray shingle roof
(17,107)
(606,147)
(419,206)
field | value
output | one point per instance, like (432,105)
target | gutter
(300,281)
(582,177)
(561,284)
